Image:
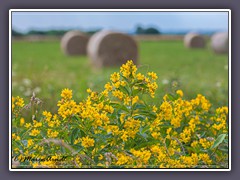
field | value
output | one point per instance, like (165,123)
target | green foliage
(218,141)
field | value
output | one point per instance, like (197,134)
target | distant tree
(139,30)
(56,32)
(36,32)
(150,30)
(16,33)
(91,32)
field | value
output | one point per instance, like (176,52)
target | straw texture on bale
(194,40)
(107,48)
(74,43)
(219,42)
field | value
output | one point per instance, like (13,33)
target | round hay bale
(74,43)
(194,40)
(219,42)
(107,48)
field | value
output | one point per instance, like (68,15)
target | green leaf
(148,114)
(139,106)
(144,129)
(218,141)
(139,117)
(167,126)
(82,133)
(115,105)
(142,132)
(224,149)
(225,140)
(124,90)
(135,92)
(167,141)
(171,97)
(144,135)
(124,78)
(102,98)
(146,144)
(190,149)
(203,134)
(124,108)
(74,135)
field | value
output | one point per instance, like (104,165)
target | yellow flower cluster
(15,137)
(68,108)
(22,121)
(128,69)
(87,142)
(128,75)
(66,94)
(220,120)
(34,132)
(116,127)
(202,102)
(17,105)
(52,134)
(123,159)
(131,127)
(17,102)
(142,155)
(205,143)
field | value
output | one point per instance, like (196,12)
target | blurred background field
(40,66)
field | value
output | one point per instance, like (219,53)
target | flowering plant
(117,128)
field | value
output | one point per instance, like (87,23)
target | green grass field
(42,67)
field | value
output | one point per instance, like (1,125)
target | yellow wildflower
(89,90)
(34,132)
(108,86)
(15,137)
(123,83)
(205,158)
(124,136)
(52,134)
(180,93)
(153,75)
(36,124)
(205,143)
(135,100)
(115,77)
(28,125)
(140,77)
(30,143)
(22,121)
(87,142)
(194,144)
(118,94)
(100,157)
(66,93)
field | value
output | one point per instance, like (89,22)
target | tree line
(138,30)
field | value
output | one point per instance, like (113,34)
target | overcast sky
(121,21)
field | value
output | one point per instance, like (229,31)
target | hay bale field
(219,43)
(198,71)
(74,43)
(107,48)
(194,40)
(160,37)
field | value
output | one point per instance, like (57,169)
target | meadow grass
(42,65)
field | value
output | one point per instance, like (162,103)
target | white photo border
(117,10)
